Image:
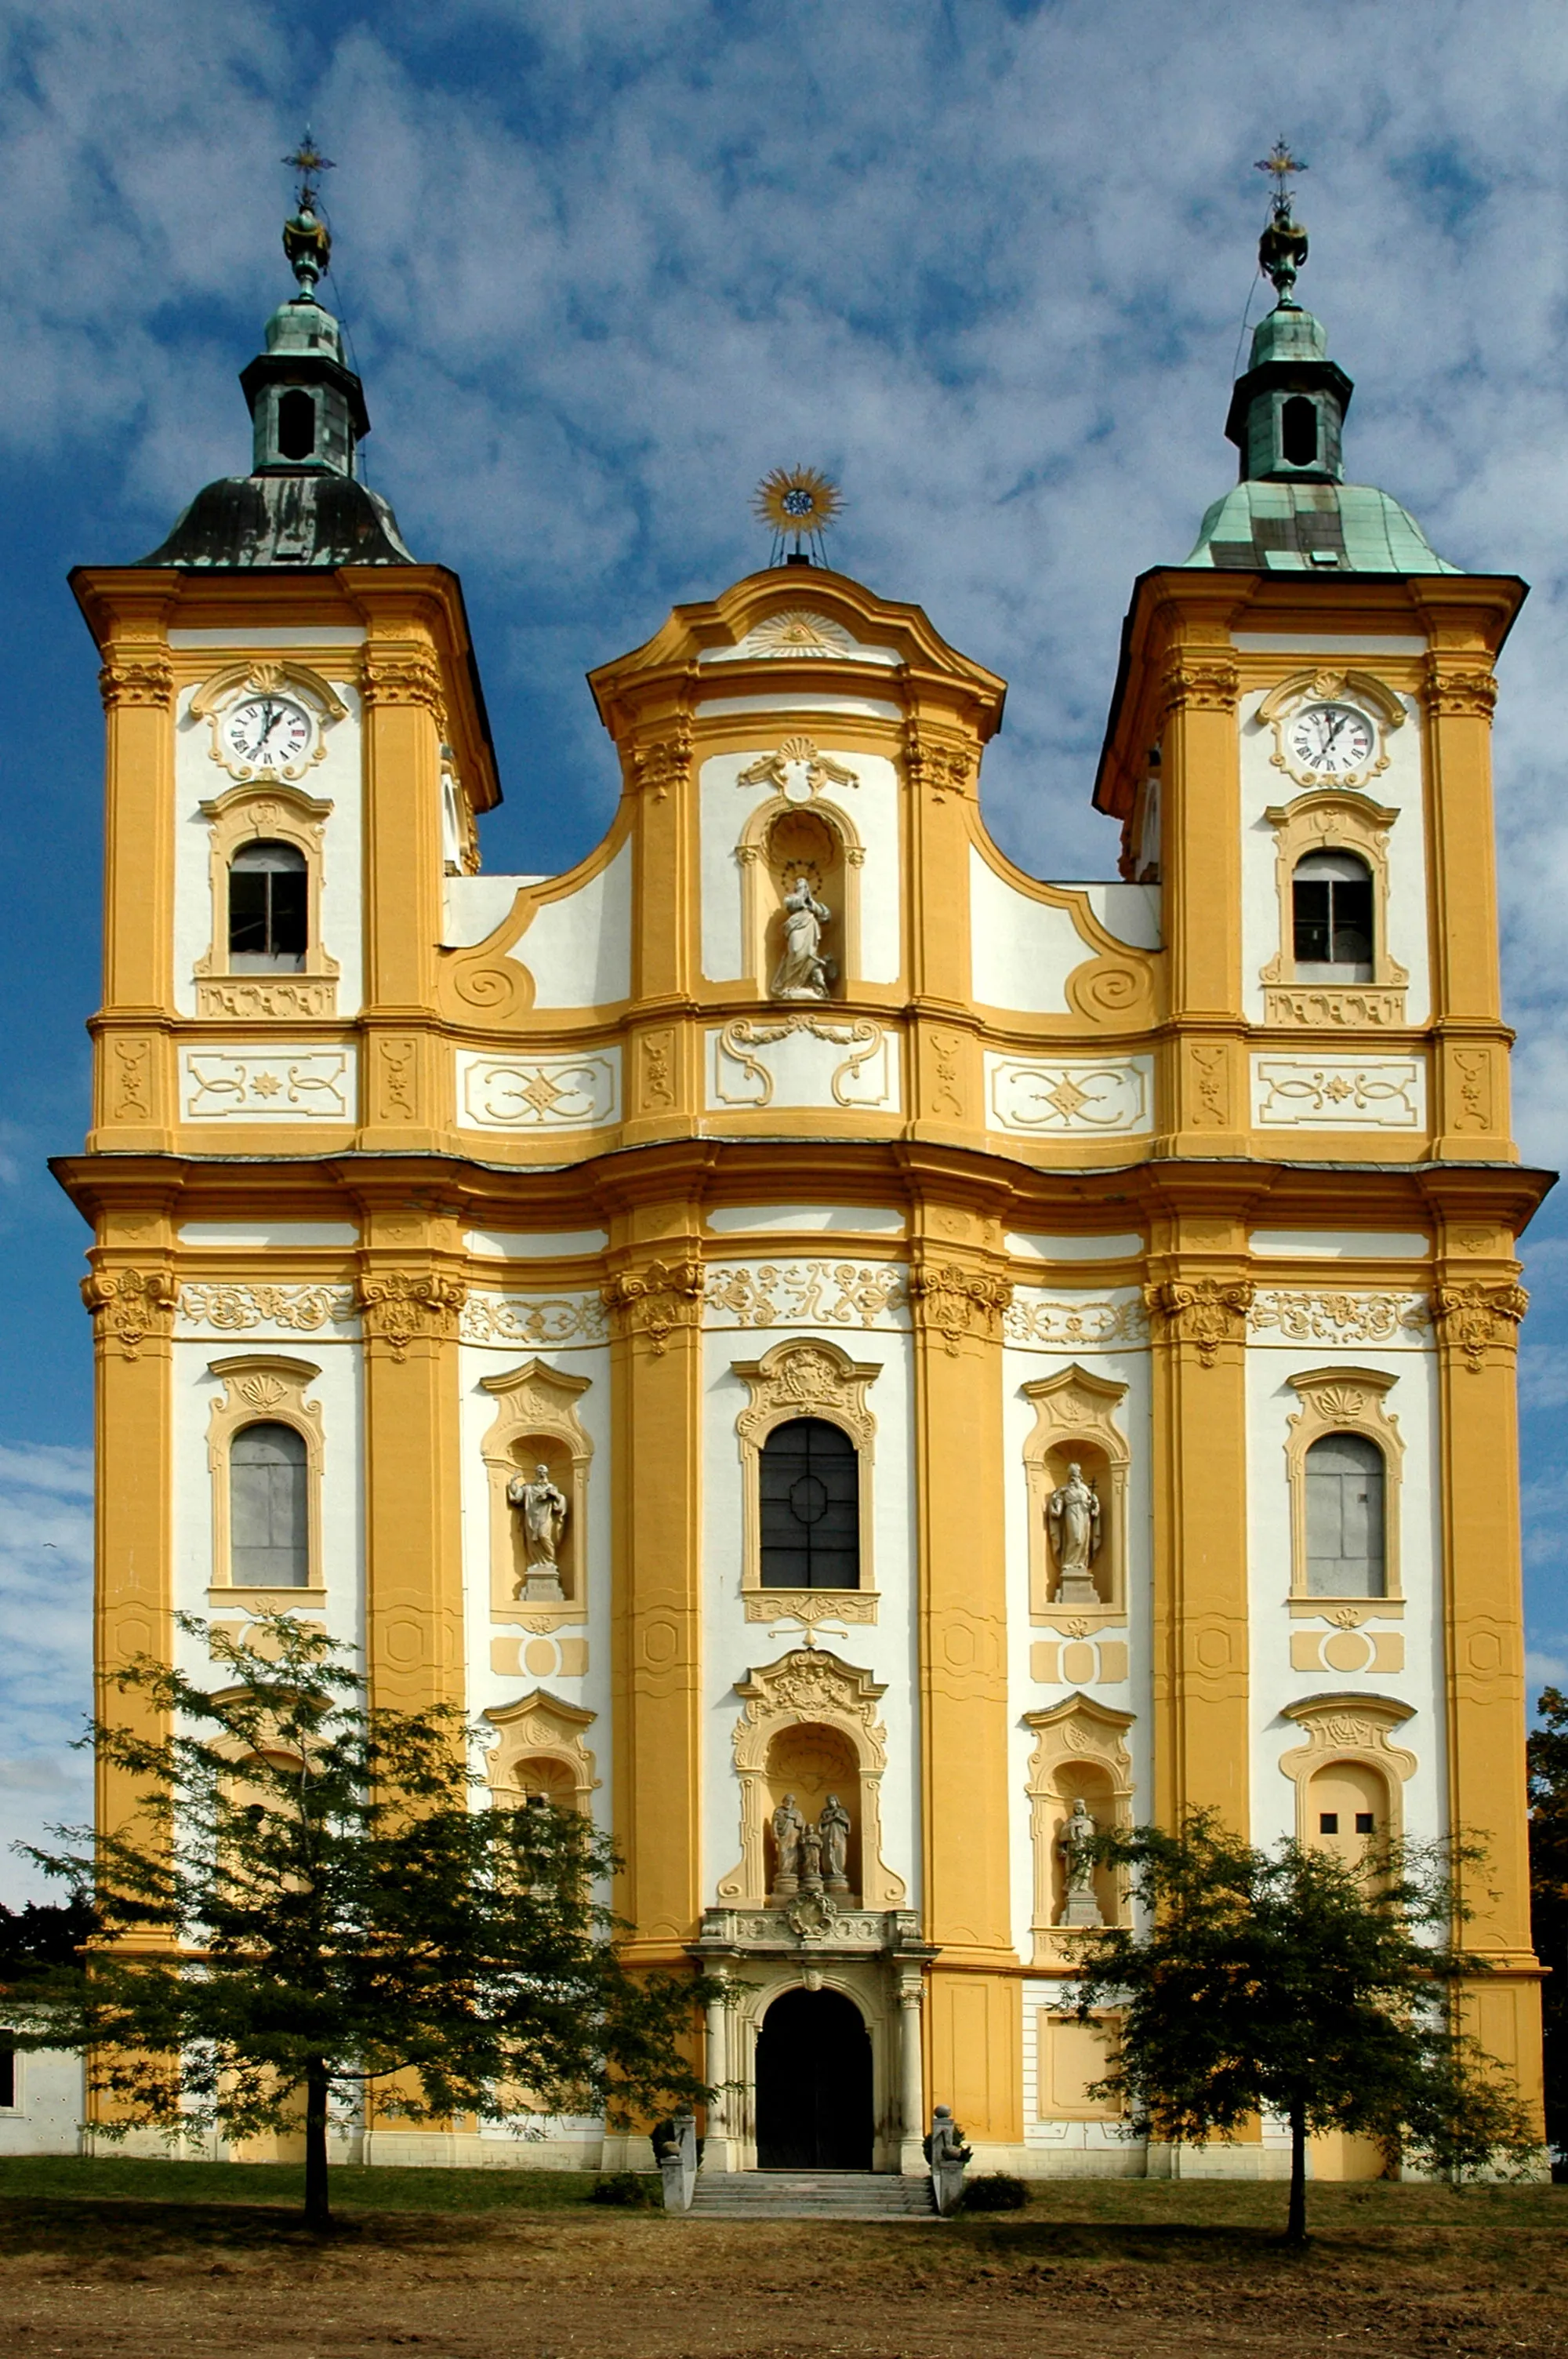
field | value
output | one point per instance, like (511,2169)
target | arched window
(810,1498)
(1344,1518)
(268,1513)
(296,425)
(268,900)
(1298,431)
(1332,909)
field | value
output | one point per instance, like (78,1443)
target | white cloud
(46,1595)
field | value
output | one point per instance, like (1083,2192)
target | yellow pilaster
(1470,1071)
(1478,1310)
(1198,1297)
(941,770)
(974,2013)
(410,1298)
(404,1085)
(655,1299)
(132,1094)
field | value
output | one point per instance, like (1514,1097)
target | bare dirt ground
(1138,2269)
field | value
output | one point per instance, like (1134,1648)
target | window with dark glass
(1344,1537)
(1332,909)
(269,1530)
(810,1485)
(267,907)
(296,425)
(1298,431)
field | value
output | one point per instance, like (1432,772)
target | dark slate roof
(285,520)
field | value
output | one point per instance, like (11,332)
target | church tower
(841,1355)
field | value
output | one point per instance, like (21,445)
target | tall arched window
(269,1545)
(810,1498)
(1331,896)
(1344,1518)
(268,906)
(296,424)
(1298,431)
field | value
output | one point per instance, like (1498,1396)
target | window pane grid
(809,1496)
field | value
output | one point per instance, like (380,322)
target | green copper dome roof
(1313,527)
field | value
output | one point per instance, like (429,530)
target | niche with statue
(1077,1462)
(800,860)
(537,1457)
(812,1832)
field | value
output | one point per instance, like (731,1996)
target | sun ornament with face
(796,504)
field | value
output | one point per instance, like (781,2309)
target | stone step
(812,2195)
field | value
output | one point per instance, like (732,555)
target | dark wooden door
(814,2084)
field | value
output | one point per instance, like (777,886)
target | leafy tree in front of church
(1547,1755)
(309,1917)
(1291,1982)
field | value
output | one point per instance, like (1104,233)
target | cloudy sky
(604,262)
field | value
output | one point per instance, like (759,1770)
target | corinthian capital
(1205,1311)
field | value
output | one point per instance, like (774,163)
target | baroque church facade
(842,1356)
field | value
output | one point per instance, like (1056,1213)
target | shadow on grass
(118,2233)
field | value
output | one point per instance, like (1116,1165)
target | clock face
(268,732)
(1331,739)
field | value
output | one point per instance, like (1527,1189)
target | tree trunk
(1295,2223)
(318,2207)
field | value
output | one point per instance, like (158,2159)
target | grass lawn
(115,2259)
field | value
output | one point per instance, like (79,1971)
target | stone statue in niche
(543,1510)
(1081,1908)
(834,1829)
(810,1858)
(801,971)
(788,1828)
(1074,1520)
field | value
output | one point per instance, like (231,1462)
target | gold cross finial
(310,163)
(1281,164)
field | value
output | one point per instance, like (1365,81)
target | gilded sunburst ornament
(796,504)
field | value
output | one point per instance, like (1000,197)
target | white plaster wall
(472,907)
(579,948)
(1022,951)
(1270,1403)
(197,779)
(488,1688)
(872,810)
(1024,1363)
(1130,912)
(1398,789)
(339,1391)
(732,1646)
(50,2103)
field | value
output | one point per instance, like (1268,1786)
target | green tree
(312,1908)
(1547,1753)
(1289,1982)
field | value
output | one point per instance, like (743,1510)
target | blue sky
(604,262)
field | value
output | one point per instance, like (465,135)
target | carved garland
(131,1307)
(1472,1317)
(400,1305)
(953,1302)
(654,1301)
(1206,1313)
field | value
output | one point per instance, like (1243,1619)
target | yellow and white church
(839,1353)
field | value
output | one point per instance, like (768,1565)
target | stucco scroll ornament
(946,766)
(1470,694)
(131,1306)
(142,678)
(958,1302)
(797,771)
(1207,683)
(237,1306)
(399,1306)
(743,1033)
(1207,1312)
(654,1301)
(1475,1316)
(666,763)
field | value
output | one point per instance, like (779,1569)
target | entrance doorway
(814,2084)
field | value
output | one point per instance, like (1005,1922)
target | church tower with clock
(843,1356)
